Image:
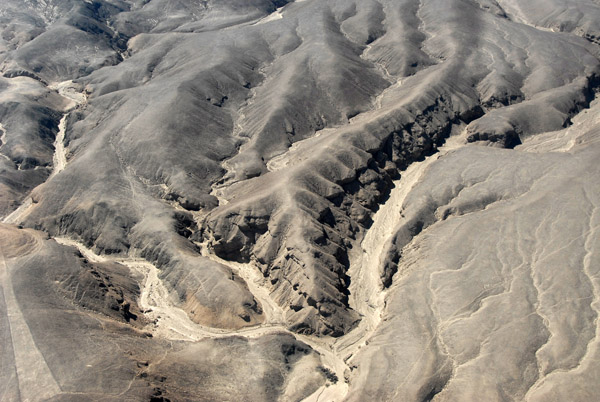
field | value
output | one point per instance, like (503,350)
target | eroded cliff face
(374,199)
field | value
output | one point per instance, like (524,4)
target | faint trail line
(35,379)
(16,215)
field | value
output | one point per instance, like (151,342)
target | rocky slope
(390,199)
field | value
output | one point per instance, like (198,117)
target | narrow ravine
(256,282)
(3,141)
(366,293)
(59,159)
(14,216)
(171,322)
(367,296)
(75,97)
(166,319)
